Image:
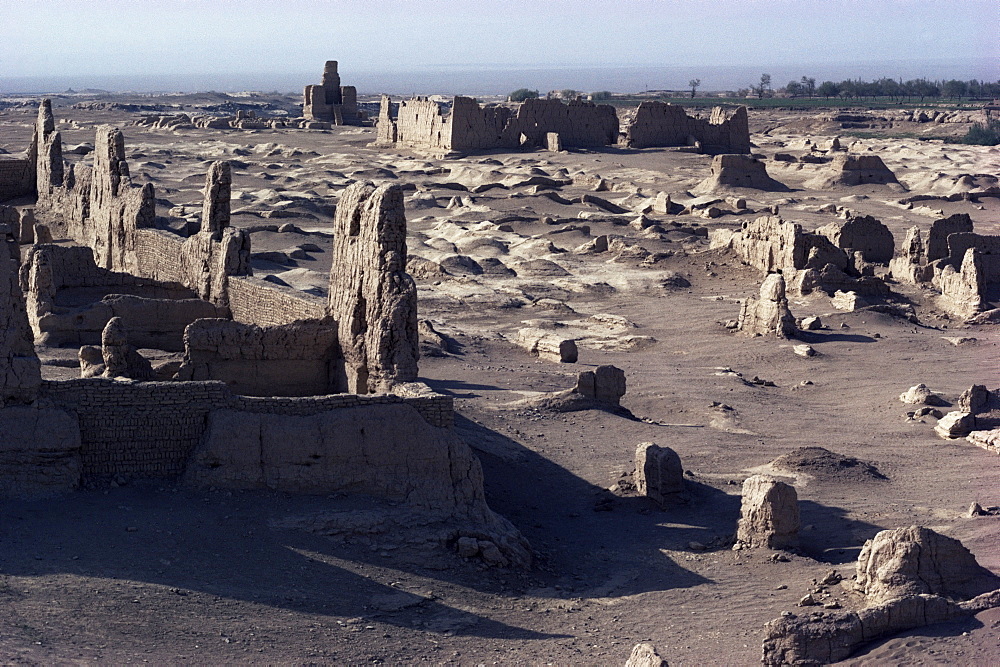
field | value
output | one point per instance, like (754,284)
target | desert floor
(155,573)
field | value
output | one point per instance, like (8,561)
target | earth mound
(825,465)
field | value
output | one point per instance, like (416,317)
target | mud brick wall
(989,253)
(420,124)
(16,177)
(256,301)
(132,429)
(149,429)
(438,410)
(661,124)
(158,255)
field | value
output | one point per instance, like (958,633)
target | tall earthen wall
(662,124)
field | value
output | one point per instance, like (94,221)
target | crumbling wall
(17,177)
(864,234)
(101,208)
(20,369)
(962,265)
(772,244)
(577,123)
(288,360)
(420,124)
(661,124)
(386,451)
(150,429)
(372,298)
(117,207)
(256,301)
(70,299)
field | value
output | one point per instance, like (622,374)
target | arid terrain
(156,573)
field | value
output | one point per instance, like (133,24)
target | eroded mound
(825,465)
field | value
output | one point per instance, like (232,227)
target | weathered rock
(955,424)
(659,474)
(554,143)
(605,384)
(848,301)
(91,359)
(974,399)
(736,172)
(120,358)
(988,440)
(769,515)
(820,640)
(767,315)
(864,234)
(919,394)
(547,345)
(851,170)
(916,560)
(372,298)
(811,323)
(645,655)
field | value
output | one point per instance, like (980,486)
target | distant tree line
(891,89)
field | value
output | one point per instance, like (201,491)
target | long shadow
(832,337)
(196,544)
(596,544)
(829,536)
(219,546)
(458,388)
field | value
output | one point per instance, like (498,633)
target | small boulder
(769,516)
(645,655)
(919,394)
(659,474)
(955,424)
(974,399)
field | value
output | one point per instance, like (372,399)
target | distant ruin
(727,130)
(420,124)
(329,101)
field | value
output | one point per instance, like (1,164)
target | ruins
(348,367)
(727,130)
(420,124)
(402,378)
(329,101)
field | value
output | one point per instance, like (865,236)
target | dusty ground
(154,573)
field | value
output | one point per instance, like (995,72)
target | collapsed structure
(810,261)
(420,124)
(726,130)
(329,101)
(962,265)
(278,389)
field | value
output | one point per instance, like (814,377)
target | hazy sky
(177,37)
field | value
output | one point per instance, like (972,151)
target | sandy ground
(154,573)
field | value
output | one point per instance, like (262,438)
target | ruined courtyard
(323,392)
